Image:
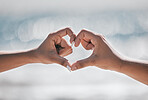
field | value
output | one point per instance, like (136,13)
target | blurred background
(24,24)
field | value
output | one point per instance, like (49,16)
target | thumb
(83,63)
(60,60)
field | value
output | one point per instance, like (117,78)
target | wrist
(119,66)
(116,64)
(32,56)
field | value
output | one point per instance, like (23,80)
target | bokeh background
(24,24)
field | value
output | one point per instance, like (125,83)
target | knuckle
(51,34)
(83,30)
(99,36)
(67,28)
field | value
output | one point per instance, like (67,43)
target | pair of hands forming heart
(54,48)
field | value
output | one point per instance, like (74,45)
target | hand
(54,48)
(103,55)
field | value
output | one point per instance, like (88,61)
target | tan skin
(105,57)
(46,53)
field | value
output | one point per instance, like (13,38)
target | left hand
(54,48)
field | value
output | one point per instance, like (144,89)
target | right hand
(103,55)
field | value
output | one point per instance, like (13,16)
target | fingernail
(68,67)
(72,44)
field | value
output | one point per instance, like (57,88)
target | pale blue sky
(24,24)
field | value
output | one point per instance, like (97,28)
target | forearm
(136,70)
(13,60)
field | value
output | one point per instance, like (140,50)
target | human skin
(52,50)
(105,57)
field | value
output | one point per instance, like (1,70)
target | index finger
(66,31)
(84,34)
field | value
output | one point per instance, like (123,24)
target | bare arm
(136,70)
(52,50)
(12,60)
(105,57)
